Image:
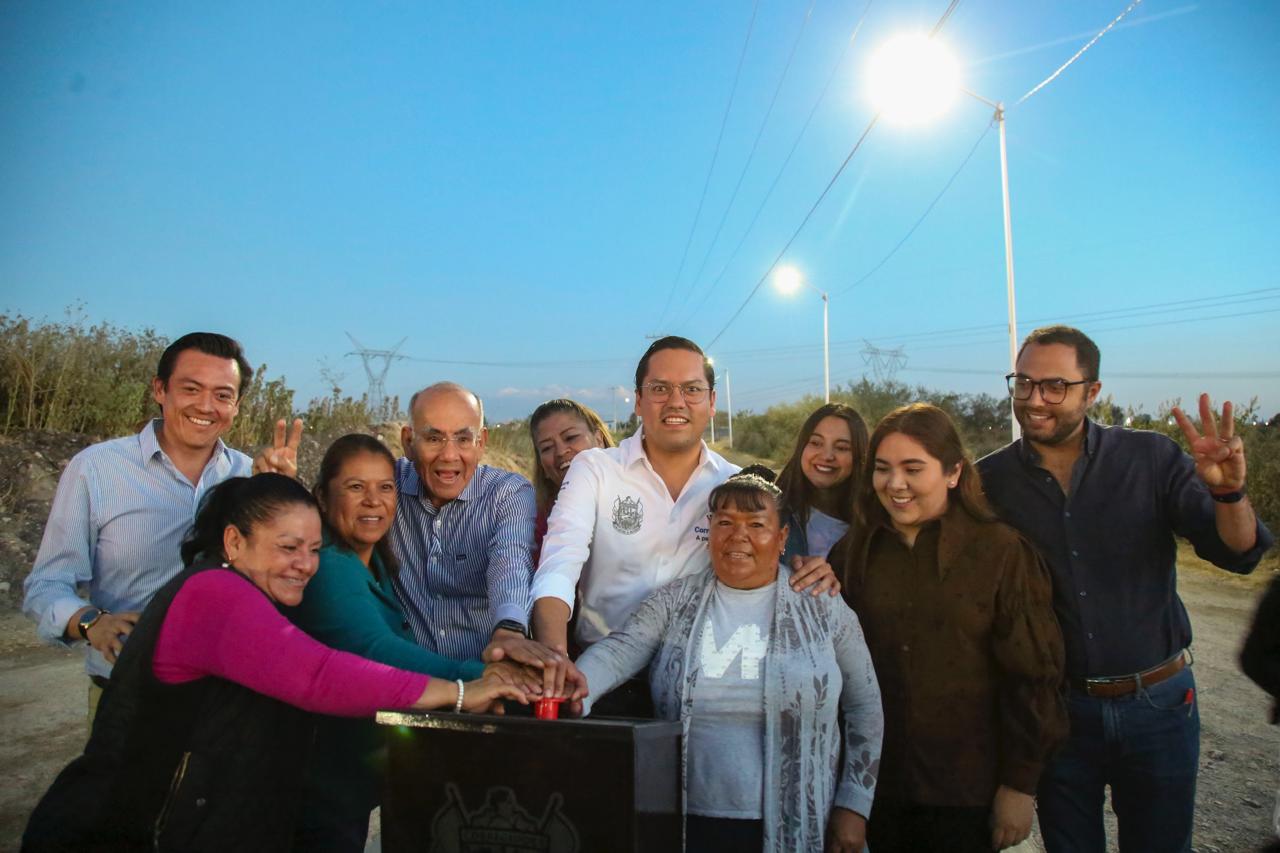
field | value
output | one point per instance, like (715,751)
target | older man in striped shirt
(463,535)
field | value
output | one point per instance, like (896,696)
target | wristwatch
(512,625)
(87,620)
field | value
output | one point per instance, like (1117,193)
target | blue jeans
(1146,746)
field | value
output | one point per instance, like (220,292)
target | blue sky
(515,183)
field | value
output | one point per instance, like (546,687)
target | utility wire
(857,145)
(1046,81)
(807,350)
(1248,374)
(797,350)
(924,215)
(1121,328)
(853,37)
(1136,310)
(755,144)
(724,121)
(782,253)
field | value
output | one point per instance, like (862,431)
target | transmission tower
(377,374)
(885,363)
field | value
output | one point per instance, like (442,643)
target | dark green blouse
(349,608)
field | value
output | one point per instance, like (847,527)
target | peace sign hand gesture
(282,456)
(1219,453)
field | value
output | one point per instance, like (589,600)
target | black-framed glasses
(1052,390)
(692,392)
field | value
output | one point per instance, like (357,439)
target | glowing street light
(914,78)
(789,280)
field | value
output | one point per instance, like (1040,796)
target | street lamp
(788,280)
(728,393)
(625,399)
(913,79)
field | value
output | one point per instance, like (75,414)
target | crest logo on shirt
(501,825)
(628,515)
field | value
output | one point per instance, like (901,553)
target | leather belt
(1123,685)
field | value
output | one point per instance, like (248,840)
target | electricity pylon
(377,398)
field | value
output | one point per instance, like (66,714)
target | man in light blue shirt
(123,506)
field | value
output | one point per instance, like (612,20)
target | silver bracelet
(462,691)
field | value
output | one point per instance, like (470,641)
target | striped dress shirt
(465,566)
(115,528)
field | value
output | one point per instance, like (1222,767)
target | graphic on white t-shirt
(748,641)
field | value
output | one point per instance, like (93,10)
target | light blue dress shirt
(115,529)
(467,565)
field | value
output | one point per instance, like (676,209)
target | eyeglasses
(1052,390)
(692,392)
(435,441)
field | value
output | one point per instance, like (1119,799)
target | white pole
(826,354)
(728,394)
(1008,265)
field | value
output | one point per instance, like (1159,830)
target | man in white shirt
(633,518)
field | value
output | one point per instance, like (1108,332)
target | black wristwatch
(88,619)
(512,625)
(1231,497)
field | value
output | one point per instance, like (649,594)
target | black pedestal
(465,783)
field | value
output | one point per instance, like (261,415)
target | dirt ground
(42,713)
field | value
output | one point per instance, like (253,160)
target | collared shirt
(968,655)
(1110,542)
(465,566)
(116,526)
(616,529)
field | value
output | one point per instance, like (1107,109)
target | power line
(1046,81)
(1125,327)
(924,215)
(584,362)
(724,268)
(1264,294)
(755,144)
(1238,297)
(1149,374)
(724,121)
(875,118)
(857,145)
(1136,310)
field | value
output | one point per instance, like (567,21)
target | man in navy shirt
(1103,505)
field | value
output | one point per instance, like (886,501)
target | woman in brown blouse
(957,612)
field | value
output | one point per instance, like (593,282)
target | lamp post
(913,78)
(625,399)
(728,396)
(788,280)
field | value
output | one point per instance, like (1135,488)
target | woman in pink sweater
(201,737)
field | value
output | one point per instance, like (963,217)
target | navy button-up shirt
(1110,542)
